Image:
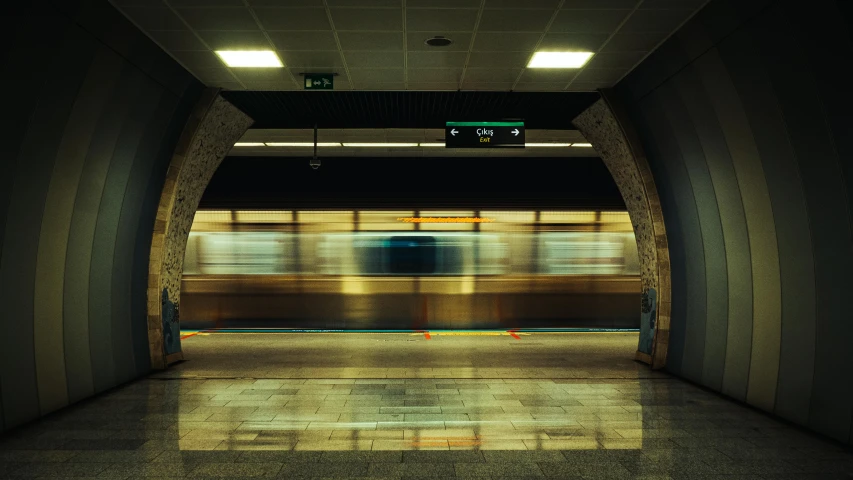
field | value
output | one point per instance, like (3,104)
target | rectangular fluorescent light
(431,144)
(381,145)
(302,144)
(250,58)
(248,144)
(547,144)
(559,59)
(581,144)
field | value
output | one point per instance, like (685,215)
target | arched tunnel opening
(517,241)
(721,127)
(421,248)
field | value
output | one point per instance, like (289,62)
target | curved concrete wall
(745,119)
(92,112)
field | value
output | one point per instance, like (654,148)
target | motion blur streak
(366,269)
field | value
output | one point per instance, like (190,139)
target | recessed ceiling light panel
(582,145)
(250,58)
(248,144)
(559,59)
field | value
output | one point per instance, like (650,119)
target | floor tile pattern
(651,426)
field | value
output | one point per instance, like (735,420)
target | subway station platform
(416,404)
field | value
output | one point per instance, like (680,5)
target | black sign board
(319,81)
(484,134)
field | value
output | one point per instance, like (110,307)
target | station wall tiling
(744,115)
(92,114)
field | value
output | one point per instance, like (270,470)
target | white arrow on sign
(515,132)
(453,132)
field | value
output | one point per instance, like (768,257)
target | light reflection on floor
(408,414)
(374,406)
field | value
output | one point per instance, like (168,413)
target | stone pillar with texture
(213,128)
(607,127)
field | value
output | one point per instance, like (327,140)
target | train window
(240,253)
(410,255)
(571,253)
(491,255)
(368,253)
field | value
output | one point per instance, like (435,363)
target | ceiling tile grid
(380,44)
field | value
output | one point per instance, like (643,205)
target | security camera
(315,163)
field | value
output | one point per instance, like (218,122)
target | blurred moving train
(410,270)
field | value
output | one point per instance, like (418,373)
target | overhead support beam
(407,109)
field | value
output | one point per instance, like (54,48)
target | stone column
(607,127)
(211,131)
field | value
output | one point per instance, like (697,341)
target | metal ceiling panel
(589,21)
(492,40)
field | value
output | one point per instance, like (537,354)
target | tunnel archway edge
(607,127)
(215,125)
(210,133)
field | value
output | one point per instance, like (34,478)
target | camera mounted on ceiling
(315,162)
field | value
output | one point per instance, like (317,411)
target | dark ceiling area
(407,109)
(381,45)
(387,182)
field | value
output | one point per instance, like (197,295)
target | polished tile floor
(400,405)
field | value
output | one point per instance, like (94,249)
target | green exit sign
(319,81)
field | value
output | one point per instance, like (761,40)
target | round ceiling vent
(438,42)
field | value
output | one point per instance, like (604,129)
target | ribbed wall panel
(91,117)
(745,118)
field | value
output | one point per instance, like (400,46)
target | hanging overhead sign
(484,134)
